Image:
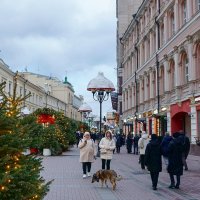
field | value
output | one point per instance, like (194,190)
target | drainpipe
(157,65)
(137,66)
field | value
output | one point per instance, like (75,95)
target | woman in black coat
(153,159)
(175,167)
(129,143)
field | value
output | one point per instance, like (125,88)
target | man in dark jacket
(129,143)
(175,167)
(164,147)
(186,148)
(119,141)
(135,143)
(153,159)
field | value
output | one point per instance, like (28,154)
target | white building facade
(45,91)
(161,68)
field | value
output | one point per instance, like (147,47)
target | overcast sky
(59,37)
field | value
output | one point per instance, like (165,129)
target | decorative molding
(189,38)
(175,49)
(165,57)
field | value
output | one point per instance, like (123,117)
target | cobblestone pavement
(68,183)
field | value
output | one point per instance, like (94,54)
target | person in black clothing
(119,141)
(164,147)
(175,166)
(129,143)
(135,144)
(186,148)
(153,159)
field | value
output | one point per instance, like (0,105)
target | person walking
(106,145)
(164,147)
(119,142)
(153,159)
(87,153)
(142,144)
(129,143)
(175,166)
(135,144)
(186,148)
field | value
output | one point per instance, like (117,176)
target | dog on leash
(104,176)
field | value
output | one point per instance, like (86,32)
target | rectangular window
(33,97)
(173,25)
(198,122)
(10,87)
(184,12)
(198,4)
(186,71)
(20,91)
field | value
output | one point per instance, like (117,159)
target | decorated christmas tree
(19,174)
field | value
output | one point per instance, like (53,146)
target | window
(172,75)
(198,4)
(172,24)
(9,87)
(20,91)
(184,11)
(162,80)
(186,71)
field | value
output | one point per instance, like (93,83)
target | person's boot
(172,186)
(177,186)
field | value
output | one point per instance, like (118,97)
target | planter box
(46,152)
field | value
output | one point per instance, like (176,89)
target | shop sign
(197,99)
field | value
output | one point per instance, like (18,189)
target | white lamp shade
(100,83)
(85,108)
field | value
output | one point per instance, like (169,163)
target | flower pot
(46,152)
(34,150)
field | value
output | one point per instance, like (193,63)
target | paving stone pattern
(68,183)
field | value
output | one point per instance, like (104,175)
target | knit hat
(154,137)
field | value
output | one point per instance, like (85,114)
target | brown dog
(105,175)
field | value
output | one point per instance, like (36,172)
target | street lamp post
(100,87)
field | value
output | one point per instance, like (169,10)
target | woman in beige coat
(87,153)
(106,145)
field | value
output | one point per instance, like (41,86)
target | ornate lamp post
(84,109)
(100,87)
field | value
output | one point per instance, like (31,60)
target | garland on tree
(19,174)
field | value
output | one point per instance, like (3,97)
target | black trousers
(86,167)
(178,179)
(135,147)
(154,178)
(142,161)
(105,164)
(118,149)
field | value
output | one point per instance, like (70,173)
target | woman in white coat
(142,144)
(87,153)
(106,145)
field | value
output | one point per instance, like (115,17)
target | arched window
(162,38)
(162,81)
(198,62)
(184,68)
(183,11)
(172,74)
(154,83)
(171,23)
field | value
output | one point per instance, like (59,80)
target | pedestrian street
(68,183)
